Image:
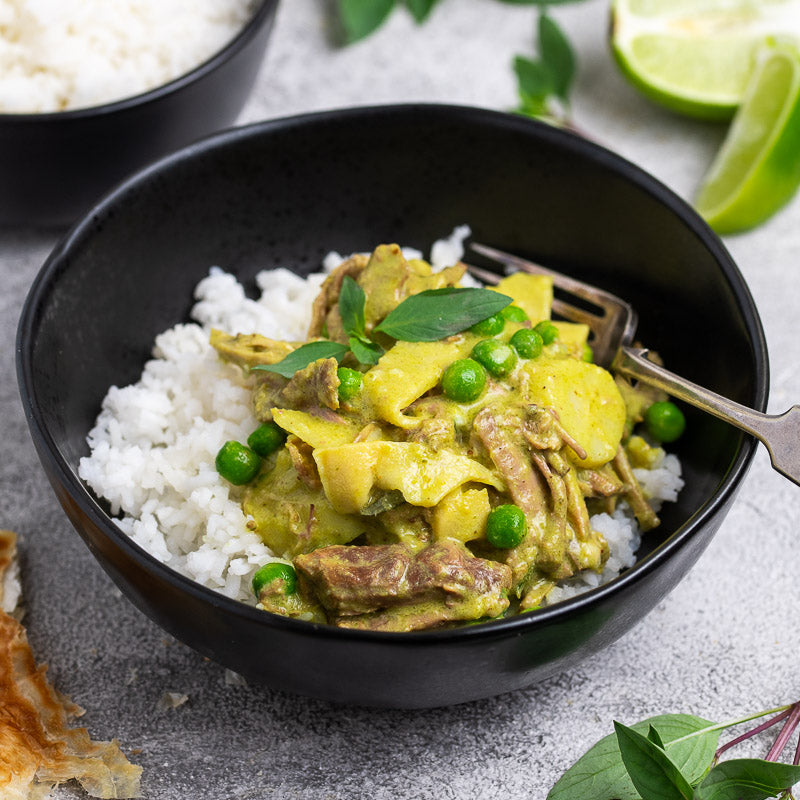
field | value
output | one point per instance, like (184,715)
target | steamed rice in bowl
(60,55)
(154,446)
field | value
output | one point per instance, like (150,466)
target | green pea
(547,331)
(237,463)
(464,380)
(514,314)
(506,526)
(587,354)
(527,342)
(665,421)
(497,357)
(274,571)
(490,326)
(266,439)
(350,381)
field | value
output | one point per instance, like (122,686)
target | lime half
(757,169)
(696,56)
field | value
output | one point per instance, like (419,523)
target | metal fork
(613,326)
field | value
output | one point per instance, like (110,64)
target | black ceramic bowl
(285,193)
(55,165)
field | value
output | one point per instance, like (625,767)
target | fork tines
(615,322)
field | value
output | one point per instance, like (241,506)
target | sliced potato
(313,430)
(408,370)
(586,399)
(461,515)
(350,474)
(532,293)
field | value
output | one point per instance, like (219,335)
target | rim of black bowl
(491,629)
(264,9)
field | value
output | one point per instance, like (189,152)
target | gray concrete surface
(725,642)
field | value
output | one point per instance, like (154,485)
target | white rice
(65,54)
(154,443)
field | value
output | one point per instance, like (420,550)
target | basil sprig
(675,757)
(425,317)
(540,80)
(438,313)
(549,76)
(352,302)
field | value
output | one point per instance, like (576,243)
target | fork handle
(780,433)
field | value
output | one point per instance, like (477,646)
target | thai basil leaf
(361,17)
(654,736)
(304,355)
(437,313)
(351,307)
(747,779)
(600,774)
(420,9)
(557,55)
(534,79)
(365,351)
(652,771)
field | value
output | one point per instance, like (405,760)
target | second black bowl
(285,193)
(55,165)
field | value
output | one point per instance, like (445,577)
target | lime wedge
(696,56)
(757,169)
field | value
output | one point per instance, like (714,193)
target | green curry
(402,508)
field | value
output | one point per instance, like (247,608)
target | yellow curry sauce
(381,501)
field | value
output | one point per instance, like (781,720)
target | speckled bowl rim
(499,629)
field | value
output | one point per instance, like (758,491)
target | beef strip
(302,457)
(314,385)
(544,431)
(387,587)
(633,493)
(499,433)
(314,388)
(495,430)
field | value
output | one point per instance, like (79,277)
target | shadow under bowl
(55,165)
(285,193)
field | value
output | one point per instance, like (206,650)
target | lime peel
(696,56)
(757,169)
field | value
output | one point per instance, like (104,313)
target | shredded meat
(314,388)
(387,587)
(633,493)
(315,385)
(302,457)
(511,459)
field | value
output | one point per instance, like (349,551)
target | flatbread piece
(37,748)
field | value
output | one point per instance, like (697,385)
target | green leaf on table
(556,54)
(351,307)
(365,351)
(534,79)
(361,17)
(304,355)
(747,779)
(655,737)
(437,313)
(420,9)
(600,774)
(651,770)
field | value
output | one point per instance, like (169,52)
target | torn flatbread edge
(10,587)
(37,748)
